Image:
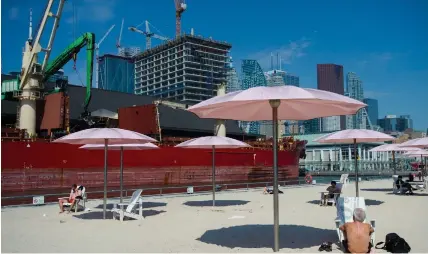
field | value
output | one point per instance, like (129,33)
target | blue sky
(383,41)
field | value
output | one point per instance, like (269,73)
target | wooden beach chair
(345,210)
(131,207)
(83,198)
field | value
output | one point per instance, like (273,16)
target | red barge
(32,166)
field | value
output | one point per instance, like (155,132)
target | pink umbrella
(392,148)
(145,146)
(212,142)
(273,103)
(105,136)
(419,142)
(355,136)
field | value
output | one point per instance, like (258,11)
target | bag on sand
(394,244)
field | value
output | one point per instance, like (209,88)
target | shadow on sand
(145,205)
(378,189)
(261,236)
(369,202)
(217,203)
(416,193)
(109,215)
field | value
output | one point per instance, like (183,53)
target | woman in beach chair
(357,233)
(75,193)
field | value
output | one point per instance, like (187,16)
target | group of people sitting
(76,193)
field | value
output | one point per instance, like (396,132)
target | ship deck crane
(31,72)
(88,40)
(148,34)
(180,7)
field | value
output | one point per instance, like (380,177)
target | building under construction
(187,69)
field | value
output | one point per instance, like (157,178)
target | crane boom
(88,40)
(105,35)
(120,34)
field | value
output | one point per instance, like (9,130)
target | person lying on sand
(75,192)
(357,233)
(269,191)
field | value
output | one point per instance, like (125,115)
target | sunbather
(75,193)
(269,191)
(357,233)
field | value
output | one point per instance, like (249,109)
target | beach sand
(242,222)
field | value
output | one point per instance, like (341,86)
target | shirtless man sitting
(357,233)
(75,192)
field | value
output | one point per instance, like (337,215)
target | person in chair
(357,233)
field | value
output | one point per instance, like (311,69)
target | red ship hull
(48,168)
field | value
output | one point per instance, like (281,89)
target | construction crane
(118,46)
(148,34)
(180,7)
(31,72)
(97,49)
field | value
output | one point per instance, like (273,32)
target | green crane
(88,40)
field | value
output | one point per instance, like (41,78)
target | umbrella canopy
(273,103)
(354,135)
(210,141)
(417,153)
(145,146)
(392,148)
(295,104)
(419,142)
(100,135)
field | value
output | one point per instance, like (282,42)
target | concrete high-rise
(330,78)
(372,110)
(188,68)
(232,83)
(354,90)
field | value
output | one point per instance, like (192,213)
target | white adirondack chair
(131,207)
(345,210)
(344,180)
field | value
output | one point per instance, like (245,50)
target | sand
(241,223)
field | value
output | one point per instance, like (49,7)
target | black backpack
(394,244)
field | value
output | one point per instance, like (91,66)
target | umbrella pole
(356,168)
(393,162)
(275,104)
(121,173)
(213,176)
(105,179)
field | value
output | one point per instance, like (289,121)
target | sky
(384,41)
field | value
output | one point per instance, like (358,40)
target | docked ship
(37,108)
(34,165)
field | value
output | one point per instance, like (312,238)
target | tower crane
(118,46)
(97,49)
(180,7)
(148,34)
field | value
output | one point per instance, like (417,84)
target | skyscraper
(372,110)
(330,78)
(354,90)
(291,80)
(392,123)
(252,76)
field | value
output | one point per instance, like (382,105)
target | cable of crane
(78,75)
(159,32)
